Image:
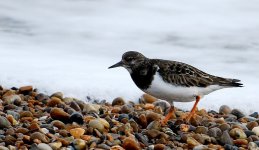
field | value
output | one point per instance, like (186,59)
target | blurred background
(67,45)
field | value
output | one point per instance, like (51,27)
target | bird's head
(130,60)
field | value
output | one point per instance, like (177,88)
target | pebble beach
(37,121)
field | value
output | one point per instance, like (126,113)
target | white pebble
(256,130)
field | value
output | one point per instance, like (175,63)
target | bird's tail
(229,82)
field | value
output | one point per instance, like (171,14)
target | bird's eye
(128,58)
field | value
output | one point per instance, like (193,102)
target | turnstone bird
(171,80)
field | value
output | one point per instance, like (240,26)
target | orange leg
(168,116)
(193,108)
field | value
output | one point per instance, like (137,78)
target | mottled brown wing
(183,74)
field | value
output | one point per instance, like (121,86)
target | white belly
(162,90)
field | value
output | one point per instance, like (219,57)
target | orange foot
(193,109)
(168,116)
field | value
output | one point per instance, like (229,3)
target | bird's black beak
(119,64)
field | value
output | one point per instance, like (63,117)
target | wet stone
(224,127)
(43,146)
(25,89)
(255,115)
(123,116)
(230,147)
(130,144)
(96,124)
(159,147)
(224,109)
(4,123)
(75,106)
(76,117)
(251,125)
(126,109)
(151,116)
(77,132)
(54,101)
(14,114)
(39,136)
(237,113)
(165,106)
(256,130)
(118,101)
(252,146)
(215,132)
(226,139)
(58,95)
(79,144)
(237,133)
(59,114)
(201,130)
(146,98)
(42,97)
(91,108)
(25,114)
(142,138)
(103,146)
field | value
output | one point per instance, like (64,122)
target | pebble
(9,140)
(77,132)
(75,106)
(118,101)
(59,114)
(14,114)
(237,133)
(79,144)
(164,105)
(215,132)
(251,125)
(91,108)
(126,109)
(230,147)
(103,146)
(55,145)
(142,120)
(152,116)
(76,117)
(154,125)
(58,95)
(252,146)
(201,130)
(123,116)
(25,114)
(3,148)
(256,130)
(237,113)
(192,142)
(58,124)
(255,115)
(224,127)
(41,97)
(226,139)
(39,136)
(130,144)
(159,147)
(143,139)
(225,110)
(43,146)
(4,123)
(96,124)
(240,142)
(54,101)
(25,89)
(11,99)
(146,98)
